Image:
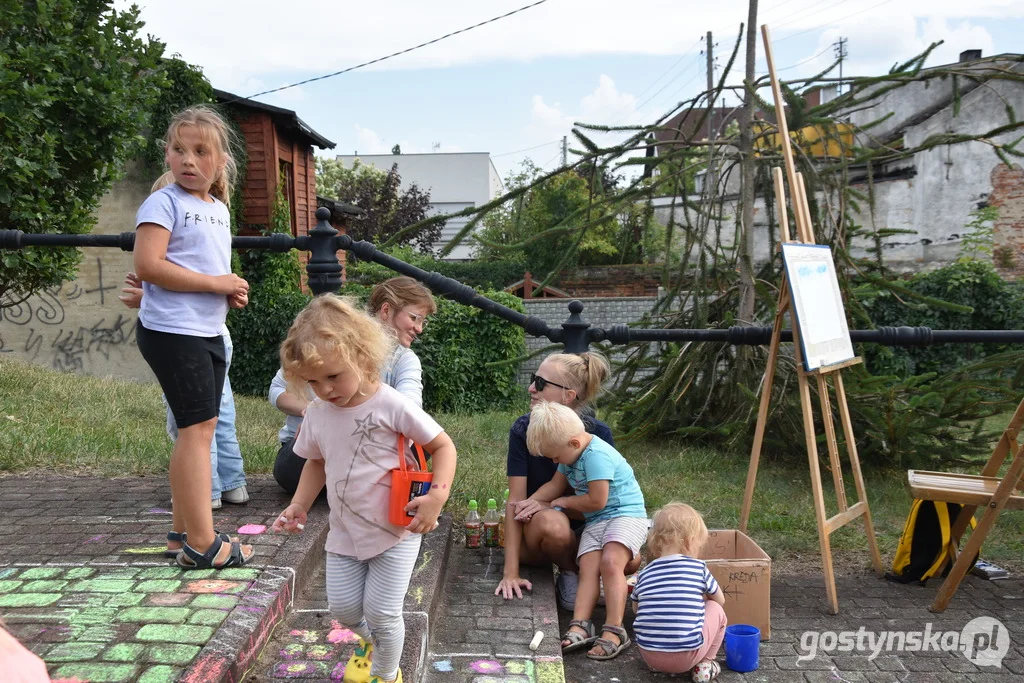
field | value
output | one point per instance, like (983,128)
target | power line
(827,23)
(809,59)
(525,149)
(400,52)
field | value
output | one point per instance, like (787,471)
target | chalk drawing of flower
(486,666)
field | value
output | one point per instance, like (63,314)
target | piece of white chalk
(301,526)
(537,637)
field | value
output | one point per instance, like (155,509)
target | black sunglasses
(540,382)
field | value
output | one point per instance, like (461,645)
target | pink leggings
(679,662)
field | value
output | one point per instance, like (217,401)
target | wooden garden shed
(280,148)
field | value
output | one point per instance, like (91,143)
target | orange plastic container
(406,484)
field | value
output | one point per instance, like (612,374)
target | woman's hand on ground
(292,519)
(512,586)
(526,509)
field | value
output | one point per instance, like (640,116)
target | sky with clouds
(514,87)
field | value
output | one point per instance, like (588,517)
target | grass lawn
(65,423)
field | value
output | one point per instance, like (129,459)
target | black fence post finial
(323,268)
(575,337)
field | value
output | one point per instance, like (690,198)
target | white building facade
(455,181)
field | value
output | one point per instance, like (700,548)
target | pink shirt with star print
(359,447)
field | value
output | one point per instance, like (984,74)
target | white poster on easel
(817,304)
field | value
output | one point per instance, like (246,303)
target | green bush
(496,275)
(986,301)
(275,298)
(462,351)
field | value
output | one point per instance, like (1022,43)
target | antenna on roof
(435,146)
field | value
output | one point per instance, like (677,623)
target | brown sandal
(578,640)
(611,650)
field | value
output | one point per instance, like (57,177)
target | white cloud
(874,48)
(236,39)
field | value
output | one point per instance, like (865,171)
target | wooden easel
(846,514)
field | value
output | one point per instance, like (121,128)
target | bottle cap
(492,504)
(472,505)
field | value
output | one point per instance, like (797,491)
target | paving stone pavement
(865,601)
(479,638)
(84,584)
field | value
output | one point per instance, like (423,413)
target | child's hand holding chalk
(292,519)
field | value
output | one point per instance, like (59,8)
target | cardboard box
(744,574)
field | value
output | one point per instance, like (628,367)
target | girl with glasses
(535,533)
(403,305)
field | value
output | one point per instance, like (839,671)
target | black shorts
(190,371)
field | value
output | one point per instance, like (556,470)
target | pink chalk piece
(547,620)
(252,529)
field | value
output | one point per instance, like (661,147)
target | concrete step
(310,645)
(477,636)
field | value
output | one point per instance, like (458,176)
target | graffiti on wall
(56,328)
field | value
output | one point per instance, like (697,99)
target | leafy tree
(546,223)
(388,209)
(76,88)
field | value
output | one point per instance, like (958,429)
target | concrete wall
(81,326)
(599,312)
(933,193)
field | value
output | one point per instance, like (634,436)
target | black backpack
(925,544)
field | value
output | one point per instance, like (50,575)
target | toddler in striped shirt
(680,620)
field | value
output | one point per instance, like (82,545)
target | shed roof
(286,118)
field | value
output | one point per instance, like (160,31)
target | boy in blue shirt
(610,499)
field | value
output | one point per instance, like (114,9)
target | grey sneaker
(565,587)
(239,496)
(215,504)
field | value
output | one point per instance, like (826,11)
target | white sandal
(707,670)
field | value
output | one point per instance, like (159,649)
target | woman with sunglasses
(402,304)
(535,533)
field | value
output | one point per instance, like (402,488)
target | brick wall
(612,281)
(599,312)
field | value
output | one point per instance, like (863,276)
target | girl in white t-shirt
(183,257)
(680,620)
(349,438)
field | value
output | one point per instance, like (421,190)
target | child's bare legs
(612,563)
(190,487)
(587,592)
(549,538)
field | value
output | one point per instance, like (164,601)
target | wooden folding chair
(973,491)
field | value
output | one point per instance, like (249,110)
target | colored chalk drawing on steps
(444,666)
(304,636)
(340,634)
(252,529)
(148,550)
(486,666)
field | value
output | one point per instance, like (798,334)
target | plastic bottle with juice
(492,522)
(474,527)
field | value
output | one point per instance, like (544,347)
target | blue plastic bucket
(742,646)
